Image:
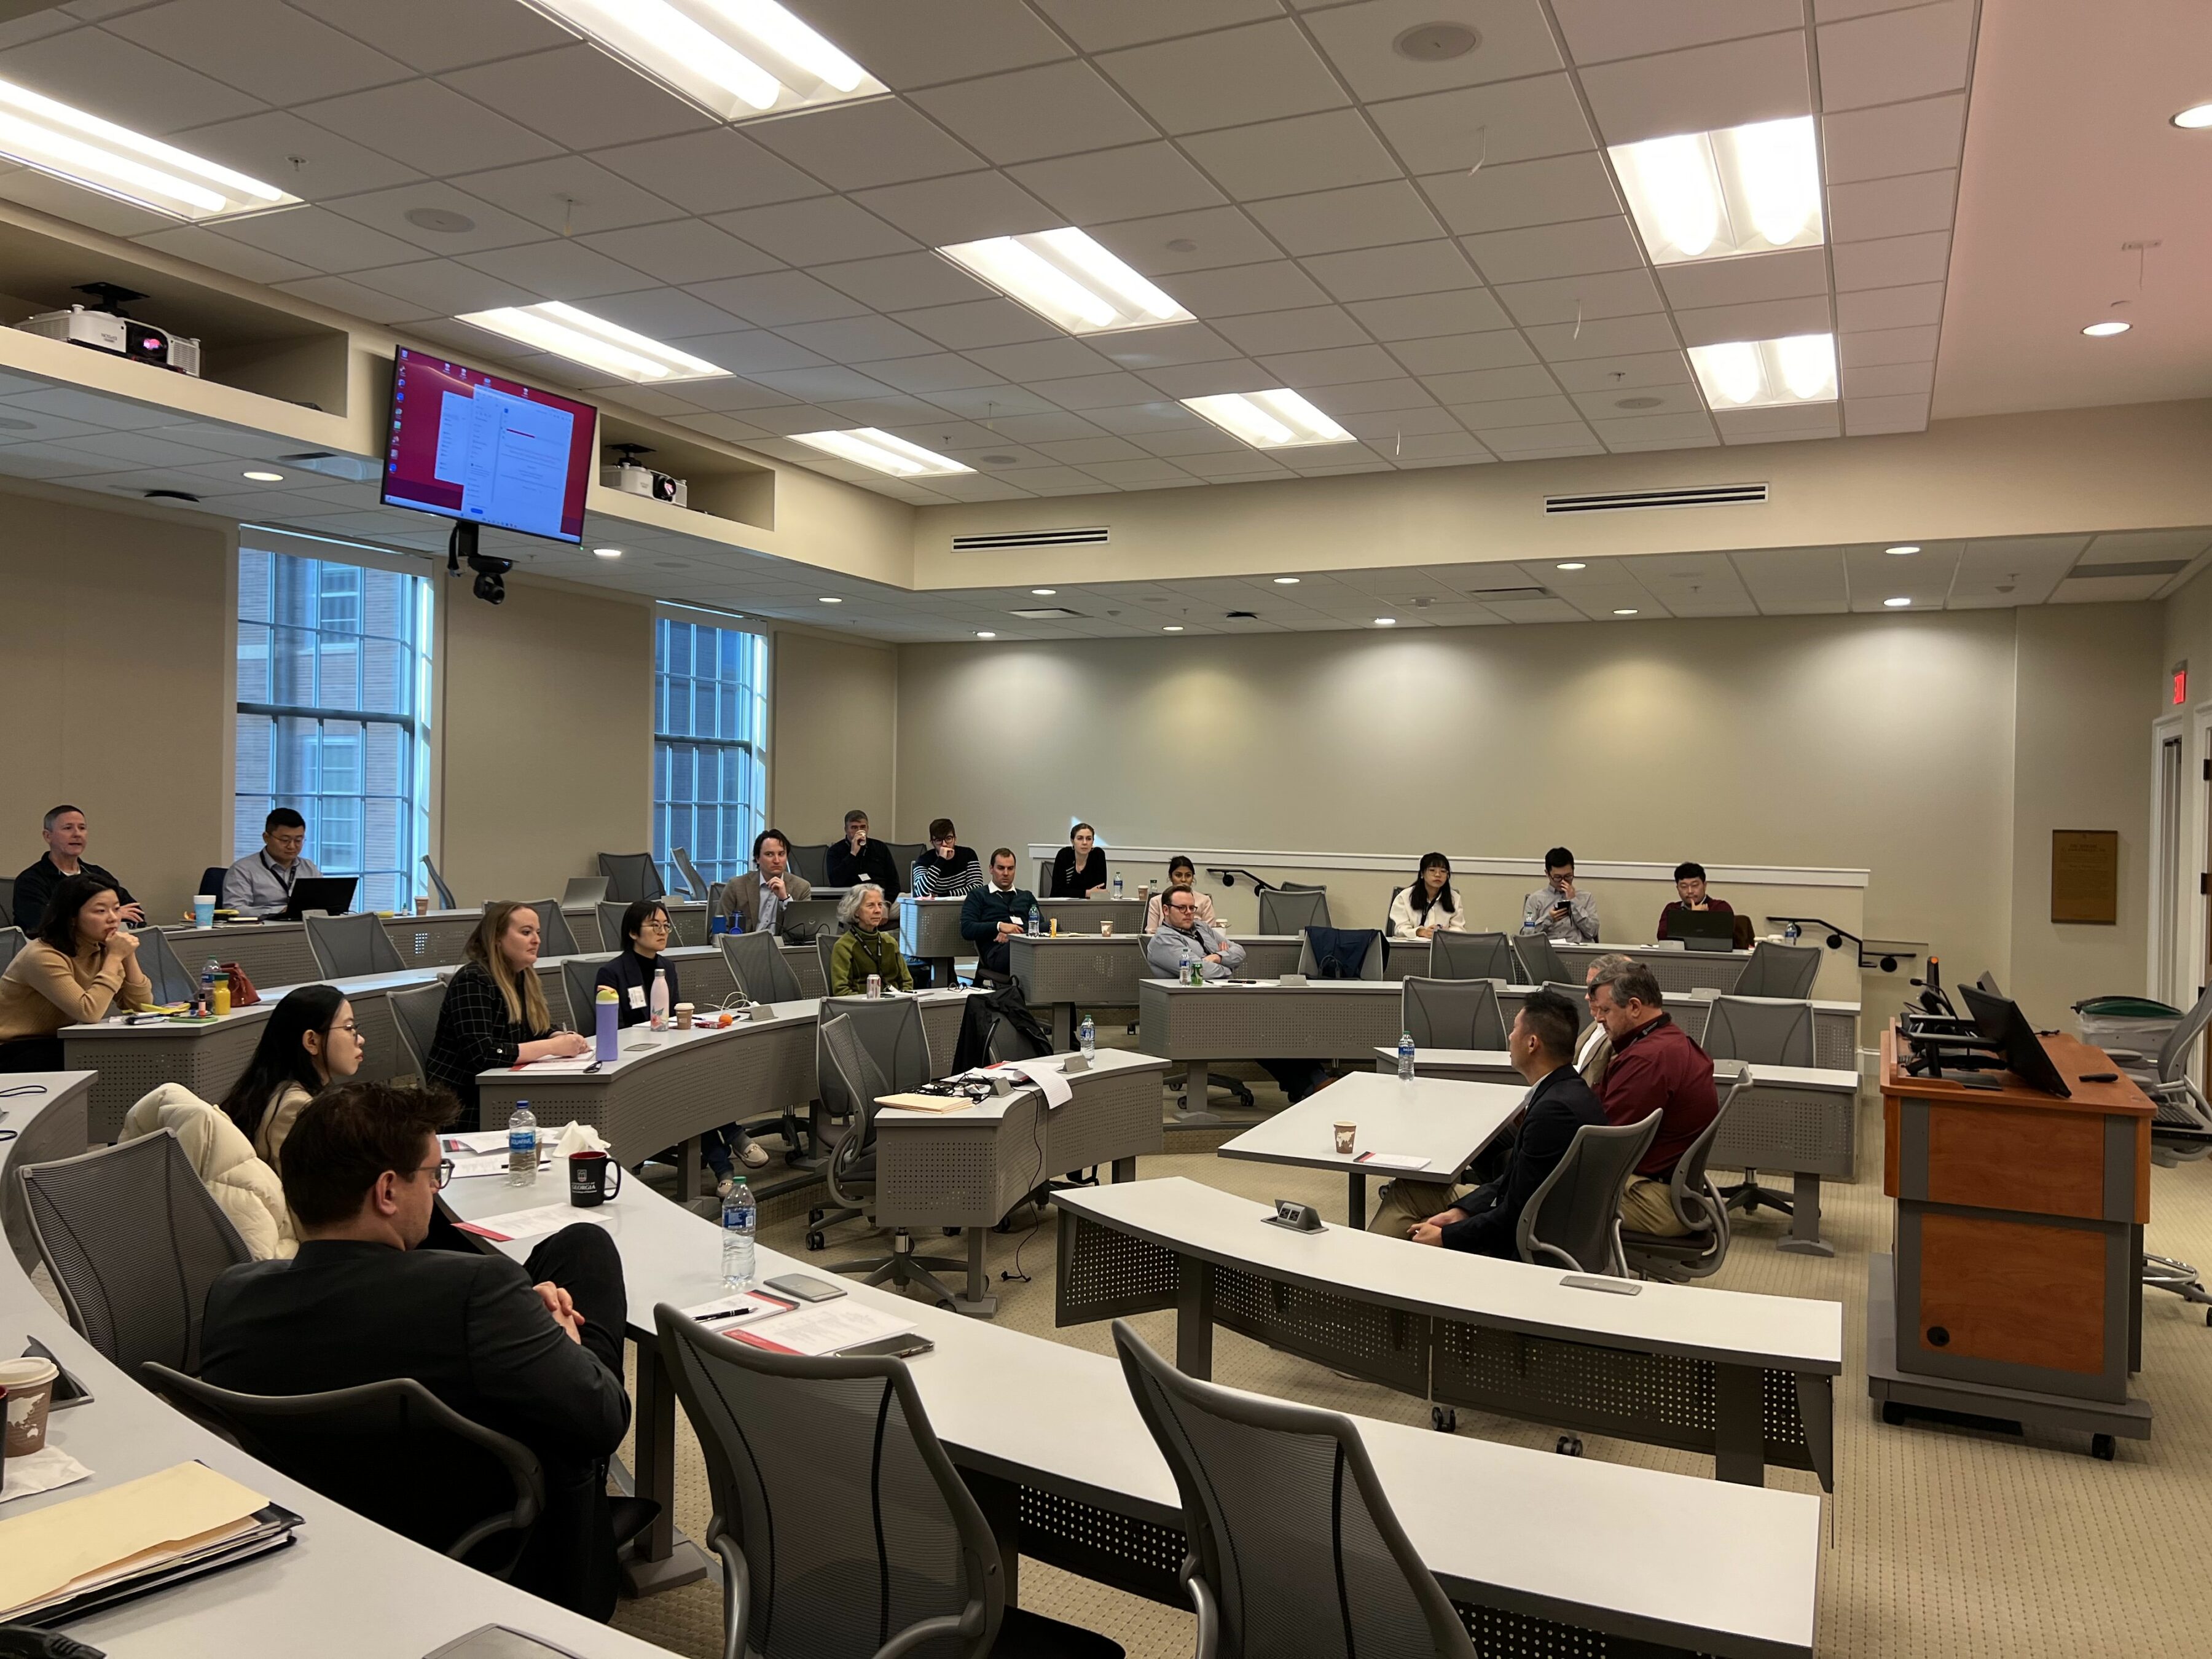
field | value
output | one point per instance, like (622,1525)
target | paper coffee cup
(1345,1134)
(30,1394)
(1106,927)
(683,1012)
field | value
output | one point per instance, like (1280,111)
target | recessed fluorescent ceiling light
(565,331)
(1069,280)
(83,149)
(1766,373)
(886,453)
(1715,195)
(1269,420)
(266,478)
(736,59)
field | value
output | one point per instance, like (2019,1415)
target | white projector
(634,480)
(123,337)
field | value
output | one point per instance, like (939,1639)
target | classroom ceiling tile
(1384,273)
(1509,195)
(1258,72)
(578,96)
(1238,290)
(1512,121)
(1131,22)
(1025,115)
(1700,88)
(1599,31)
(1360,41)
(1335,221)
(1304,153)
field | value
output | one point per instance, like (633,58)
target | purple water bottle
(607,1005)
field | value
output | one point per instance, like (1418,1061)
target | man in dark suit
(533,1351)
(1542,1044)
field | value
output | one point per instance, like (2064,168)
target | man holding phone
(856,858)
(1559,910)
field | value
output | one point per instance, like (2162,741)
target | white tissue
(578,1138)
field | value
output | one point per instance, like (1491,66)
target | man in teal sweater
(991,915)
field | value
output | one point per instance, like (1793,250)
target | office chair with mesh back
(554,937)
(1293,909)
(1540,964)
(631,876)
(812,863)
(1471,956)
(131,1241)
(608,912)
(695,884)
(825,945)
(211,879)
(2180,1132)
(1573,1219)
(850,1173)
(445,901)
(806,1459)
(756,963)
(1764,1031)
(1453,1013)
(11,943)
(415,1013)
(1577,998)
(1779,970)
(346,947)
(1700,1207)
(1293,1546)
(7,901)
(903,854)
(471,1494)
(580,977)
(157,959)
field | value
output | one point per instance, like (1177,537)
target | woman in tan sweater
(81,963)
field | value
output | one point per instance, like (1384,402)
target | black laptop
(1702,930)
(331,893)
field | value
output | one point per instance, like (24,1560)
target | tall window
(709,744)
(334,714)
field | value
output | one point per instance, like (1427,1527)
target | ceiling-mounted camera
(491,585)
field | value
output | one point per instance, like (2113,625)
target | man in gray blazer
(754,901)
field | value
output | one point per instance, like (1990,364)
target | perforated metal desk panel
(438,940)
(1744,1378)
(1076,970)
(271,952)
(1802,1119)
(208,1059)
(1561,1553)
(929,928)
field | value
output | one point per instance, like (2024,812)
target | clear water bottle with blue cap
(1037,920)
(1405,1056)
(522,1146)
(1086,1038)
(1790,931)
(740,1221)
(1117,883)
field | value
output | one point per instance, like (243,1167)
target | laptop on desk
(585,890)
(1702,930)
(331,893)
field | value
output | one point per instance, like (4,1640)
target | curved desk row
(346,1590)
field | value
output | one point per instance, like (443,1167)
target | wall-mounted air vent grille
(1097,536)
(1633,501)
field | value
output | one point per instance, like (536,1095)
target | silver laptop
(586,889)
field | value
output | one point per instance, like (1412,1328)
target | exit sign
(2180,677)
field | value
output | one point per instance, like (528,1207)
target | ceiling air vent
(1510,593)
(1045,613)
(1633,501)
(1095,537)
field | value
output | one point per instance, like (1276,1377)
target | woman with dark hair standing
(81,965)
(1078,869)
(1429,906)
(309,1042)
(494,1013)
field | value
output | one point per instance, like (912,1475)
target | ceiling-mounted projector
(632,479)
(103,327)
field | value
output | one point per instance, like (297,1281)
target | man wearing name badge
(1487,1221)
(1691,894)
(1216,955)
(992,915)
(856,858)
(532,1351)
(1559,910)
(64,832)
(1655,1066)
(260,883)
(754,902)
(1593,1050)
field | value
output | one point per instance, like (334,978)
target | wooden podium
(2015,1291)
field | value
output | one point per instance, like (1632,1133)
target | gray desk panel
(1675,970)
(271,952)
(437,940)
(1318,1021)
(806,964)
(1081,969)
(929,929)
(1268,956)
(960,1170)
(1085,915)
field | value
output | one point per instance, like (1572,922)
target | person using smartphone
(1559,909)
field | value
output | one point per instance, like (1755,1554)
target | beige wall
(115,632)
(834,713)
(547,739)
(1885,743)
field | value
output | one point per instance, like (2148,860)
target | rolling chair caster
(1571,1445)
(1893,1414)
(817,1241)
(2103,1447)
(1444,1419)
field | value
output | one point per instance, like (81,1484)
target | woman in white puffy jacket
(1429,906)
(243,1187)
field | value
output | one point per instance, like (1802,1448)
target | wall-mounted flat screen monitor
(472,446)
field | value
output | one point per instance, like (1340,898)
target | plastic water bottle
(1086,1038)
(1184,974)
(1037,920)
(1117,883)
(740,1218)
(607,1010)
(657,1003)
(522,1146)
(1789,933)
(1405,1056)
(209,975)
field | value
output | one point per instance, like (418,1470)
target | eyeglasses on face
(441,1171)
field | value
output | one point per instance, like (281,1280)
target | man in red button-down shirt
(1655,1066)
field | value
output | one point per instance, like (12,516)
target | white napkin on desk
(575,1137)
(41,1470)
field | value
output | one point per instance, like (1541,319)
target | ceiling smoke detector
(439,219)
(1436,43)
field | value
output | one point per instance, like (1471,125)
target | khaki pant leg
(1403,1203)
(1648,1207)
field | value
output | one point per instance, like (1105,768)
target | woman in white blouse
(1429,906)
(1180,873)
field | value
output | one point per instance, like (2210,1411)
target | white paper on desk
(1391,1160)
(41,1470)
(523,1224)
(1048,1076)
(549,1063)
(470,1166)
(825,1328)
(738,1307)
(477,1140)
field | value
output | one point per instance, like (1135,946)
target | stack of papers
(915,1103)
(527,1224)
(818,1328)
(484,1152)
(1391,1160)
(63,1562)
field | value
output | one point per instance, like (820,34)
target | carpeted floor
(1947,1542)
